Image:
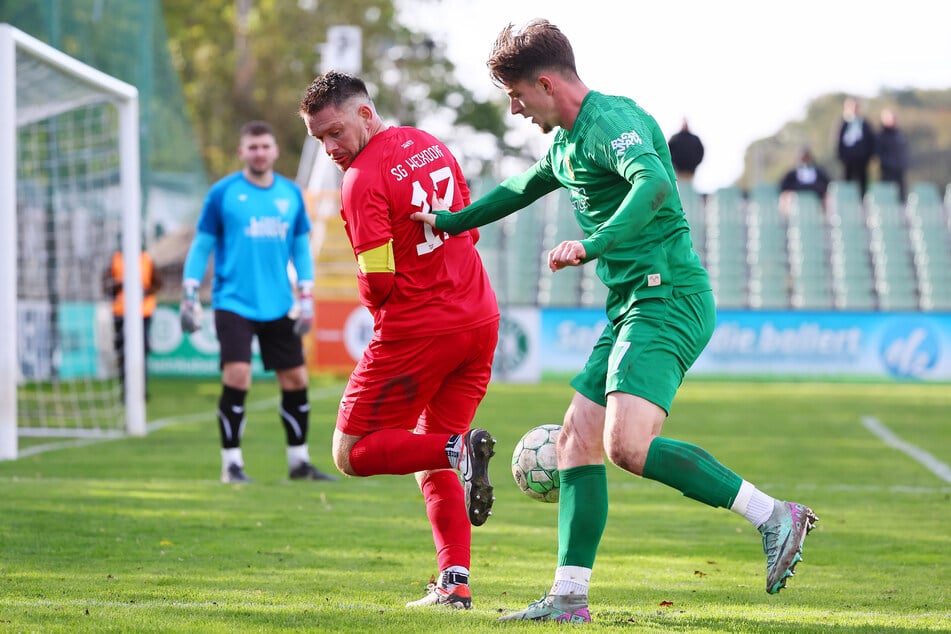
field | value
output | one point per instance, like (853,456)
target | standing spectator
(612,158)
(255,223)
(411,399)
(856,144)
(892,150)
(112,286)
(686,152)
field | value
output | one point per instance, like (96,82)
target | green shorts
(648,351)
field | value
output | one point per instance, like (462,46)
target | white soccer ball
(535,463)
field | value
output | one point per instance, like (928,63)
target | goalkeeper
(255,223)
(612,157)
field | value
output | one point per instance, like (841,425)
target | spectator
(112,286)
(892,149)
(805,176)
(686,152)
(856,144)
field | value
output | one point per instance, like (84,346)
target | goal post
(64,196)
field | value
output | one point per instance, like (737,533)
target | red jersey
(440,285)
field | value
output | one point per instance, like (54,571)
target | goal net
(69,197)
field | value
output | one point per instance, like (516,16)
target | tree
(252,59)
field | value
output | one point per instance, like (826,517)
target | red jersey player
(410,401)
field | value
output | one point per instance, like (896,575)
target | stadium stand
(890,247)
(930,246)
(766,248)
(726,241)
(808,246)
(844,253)
(695,210)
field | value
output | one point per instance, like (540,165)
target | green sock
(692,471)
(582,514)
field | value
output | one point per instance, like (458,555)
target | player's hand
(568,253)
(189,311)
(430,218)
(424,217)
(305,312)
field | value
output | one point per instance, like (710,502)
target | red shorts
(432,385)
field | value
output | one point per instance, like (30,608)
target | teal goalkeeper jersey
(640,252)
(254,230)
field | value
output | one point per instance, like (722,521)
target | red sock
(446,508)
(398,452)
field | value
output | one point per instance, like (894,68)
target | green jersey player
(612,157)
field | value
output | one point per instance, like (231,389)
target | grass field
(138,535)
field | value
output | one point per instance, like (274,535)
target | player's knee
(293,379)
(341,456)
(628,453)
(342,462)
(576,447)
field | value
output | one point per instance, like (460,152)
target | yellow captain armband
(377,260)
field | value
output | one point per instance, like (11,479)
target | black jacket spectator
(686,152)
(806,176)
(892,149)
(856,144)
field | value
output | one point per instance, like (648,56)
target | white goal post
(42,86)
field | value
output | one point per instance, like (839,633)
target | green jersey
(643,247)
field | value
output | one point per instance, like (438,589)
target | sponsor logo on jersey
(267,227)
(626,140)
(579,200)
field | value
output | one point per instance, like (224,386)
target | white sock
(571,580)
(231,456)
(297,455)
(451,577)
(753,504)
(454,449)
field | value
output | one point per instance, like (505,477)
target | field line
(921,456)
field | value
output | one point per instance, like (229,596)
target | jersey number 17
(425,201)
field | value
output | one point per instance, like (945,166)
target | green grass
(138,535)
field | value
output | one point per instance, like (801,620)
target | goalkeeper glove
(305,310)
(190,310)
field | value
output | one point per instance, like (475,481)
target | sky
(738,70)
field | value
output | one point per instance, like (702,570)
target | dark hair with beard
(523,54)
(332,88)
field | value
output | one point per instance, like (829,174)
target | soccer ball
(535,464)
